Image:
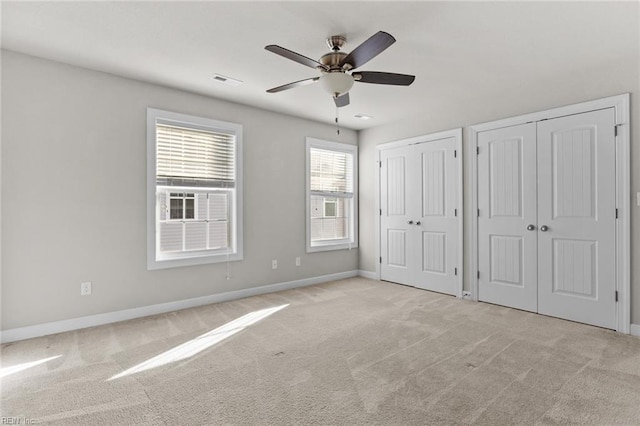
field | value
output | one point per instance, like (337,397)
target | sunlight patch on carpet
(20,367)
(202,342)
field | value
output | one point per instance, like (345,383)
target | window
(194,190)
(181,205)
(331,195)
(330,207)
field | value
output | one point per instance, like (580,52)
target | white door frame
(453,133)
(620,103)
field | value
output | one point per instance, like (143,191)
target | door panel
(397,248)
(505,177)
(576,187)
(574,266)
(433,182)
(396,184)
(507,250)
(434,252)
(506,256)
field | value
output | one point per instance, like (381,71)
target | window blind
(194,157)
(331,172)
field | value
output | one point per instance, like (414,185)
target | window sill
(203,259)
(331,247)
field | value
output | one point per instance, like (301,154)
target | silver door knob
(418,223)
(531,228)
(410,222)
(544,228)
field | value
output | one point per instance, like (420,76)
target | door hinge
(478,212)
(616,213)
(455,153)
(380,212)
(455,212)
(478,274)
(616,295)
(615,129)
(477,150)
(380,164)
(380,259)
(455,271)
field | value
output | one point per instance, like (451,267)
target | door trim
(620,103)
(432,137)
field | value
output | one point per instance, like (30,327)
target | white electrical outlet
(297,261)
(85,288)
(274,264)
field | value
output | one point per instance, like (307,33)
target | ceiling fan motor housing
(332,60)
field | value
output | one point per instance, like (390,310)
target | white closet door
(396,252)
(436,226)
(418,223)
(507,240)
(576,214)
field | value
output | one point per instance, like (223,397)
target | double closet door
(419,230)
(546,219)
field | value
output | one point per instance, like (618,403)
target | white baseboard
(22,333)
(368,274)
(635,330)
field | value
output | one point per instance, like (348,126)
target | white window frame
(235,251)
(352,240)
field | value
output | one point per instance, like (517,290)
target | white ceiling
(457,50)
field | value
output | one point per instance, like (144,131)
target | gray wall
(74,195)
(479,107)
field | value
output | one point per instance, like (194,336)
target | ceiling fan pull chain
(337,124)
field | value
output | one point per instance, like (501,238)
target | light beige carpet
(348,352)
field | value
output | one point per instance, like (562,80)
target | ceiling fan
(336,66)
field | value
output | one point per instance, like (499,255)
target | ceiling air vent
(226,80)
(363,116)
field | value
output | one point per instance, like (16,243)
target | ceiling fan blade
(289,54)
(383,78)
(368,50)
(342,101)
(294,84)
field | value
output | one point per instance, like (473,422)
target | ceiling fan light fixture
(336,83)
